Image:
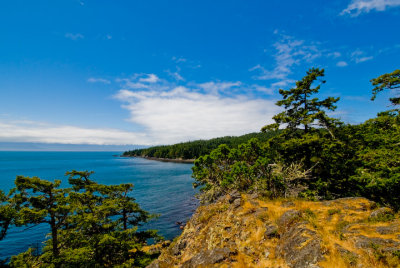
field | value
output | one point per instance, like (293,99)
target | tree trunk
(125,219)
(54,239)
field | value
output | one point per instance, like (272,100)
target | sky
(161,72)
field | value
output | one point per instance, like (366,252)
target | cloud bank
(29,131)
(165,113)
(173,113)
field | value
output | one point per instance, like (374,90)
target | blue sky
(160,72)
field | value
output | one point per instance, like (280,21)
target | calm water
(164,188)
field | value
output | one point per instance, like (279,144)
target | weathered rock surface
(384,230)
(207,257)
(381,213)
(246,231)
(300,246)
(388,245)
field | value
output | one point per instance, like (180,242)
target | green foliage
(26,259)
(7,214)
(40,201)
(378,173)
(194,149)
(247,168)
(92,225)
(387,81)
(329,161)
(302,113)
(300,109)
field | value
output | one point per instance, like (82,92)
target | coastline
(182,161)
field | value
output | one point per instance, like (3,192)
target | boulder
(381,213)
(233,196)
(385,245)
(288,217)
(237,202)
(207,257)
(271,231)
(383,230)
(300,247)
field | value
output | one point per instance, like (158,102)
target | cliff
(245,231)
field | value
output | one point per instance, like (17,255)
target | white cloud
(165,113)
(217,87)
(179,59)
(74,37)
(141,81)
(341,64)
(356,7)
(98,80)
(29,131)
(335,54)
(268,91)
(290,52)
(176,75)
(151,78)
(199,111)
(359,56)
(362,59)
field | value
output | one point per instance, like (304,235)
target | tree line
(194,149)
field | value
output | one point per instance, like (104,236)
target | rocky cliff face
(245,231)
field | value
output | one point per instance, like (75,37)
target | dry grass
(242,229)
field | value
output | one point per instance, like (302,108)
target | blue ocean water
(159,187)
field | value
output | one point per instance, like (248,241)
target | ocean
(159,187)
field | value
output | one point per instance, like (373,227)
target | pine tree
(387,81)
(302,111)
(39,201)
(92,225)
(7,214)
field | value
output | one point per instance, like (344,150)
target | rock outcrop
(246,231)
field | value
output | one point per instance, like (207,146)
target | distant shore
(185,161)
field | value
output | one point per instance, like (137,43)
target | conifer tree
(7,214)
(387,81)
(92,225)
(40,201)
(302,111)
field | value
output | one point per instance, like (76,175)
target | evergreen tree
(300,109)
(7,214)
(92,225)
(40,201)
(301,114)
(387,81)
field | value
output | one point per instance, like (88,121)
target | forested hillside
(194,149)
